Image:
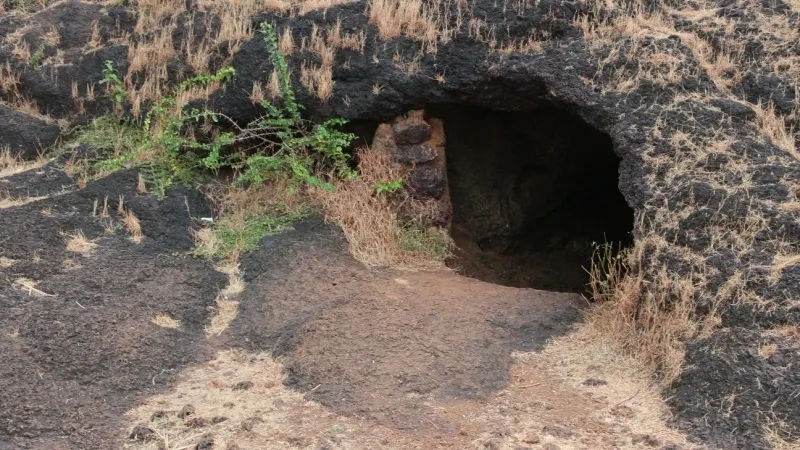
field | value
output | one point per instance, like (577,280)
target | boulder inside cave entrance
(531,192)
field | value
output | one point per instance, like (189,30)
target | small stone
(550,446)
(532,439)
(415,154)
(671,447)
(243,386)
(645,439)
(427,181)
(207,443)
(218,419)
(232,446)
(249,423)
(622,411)
(595,382)
(142,433)
(186,412)
(558,431)
(228,405)
(158,415)
(492,444)
(410,132)
(196,422)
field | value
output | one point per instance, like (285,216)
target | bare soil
(323,353)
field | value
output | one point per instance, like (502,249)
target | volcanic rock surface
(698,101)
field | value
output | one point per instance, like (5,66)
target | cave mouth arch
(531,193)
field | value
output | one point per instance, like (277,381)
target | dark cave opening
(531,192)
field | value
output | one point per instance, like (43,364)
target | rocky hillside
(699,100)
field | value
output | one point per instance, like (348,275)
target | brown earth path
(119,340)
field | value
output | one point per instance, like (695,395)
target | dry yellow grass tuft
(780,262)
(775,128)
(236,206)
(413,18)
(652,324)
(166,321)
(6,201)
(11,164)
(130,222)
(147,76)
(370,220)
(5,263)
(78,243)
(227,309)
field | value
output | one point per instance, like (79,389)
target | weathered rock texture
(24,135)
(712,175)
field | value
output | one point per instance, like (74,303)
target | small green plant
(37,57)
(388,187)
(287,145)
(244,237)
(225,75)
(113,82)
(417,238)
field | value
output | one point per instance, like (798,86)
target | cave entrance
(531,192)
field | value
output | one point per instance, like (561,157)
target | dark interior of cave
(531,192)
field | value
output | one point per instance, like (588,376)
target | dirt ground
(113,342)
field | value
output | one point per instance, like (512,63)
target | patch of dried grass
(166,321)
(775,128)
(7,201)
(267,415)
(77,242)
(413,18)
(772,432)
(5,263)
(625,400)
(654,320)
(780,262)
(369,220)
(227,309)
(130,222)
(29,286)
(11,164)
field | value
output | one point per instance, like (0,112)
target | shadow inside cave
(532,193)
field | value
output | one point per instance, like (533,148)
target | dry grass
(317,80)
(776,128)
(776,441)
(5,263)
(235,209)
(267,415)
(370,221)
(626,404)
(6,201)
(166,321)
(652,324)
(227,308)
(78,243)
(412,18)
(780,262)
(130,222)
(544,389)
(157,20)
(11,164)
(29,286)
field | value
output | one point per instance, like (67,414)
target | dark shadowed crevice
(531,192)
